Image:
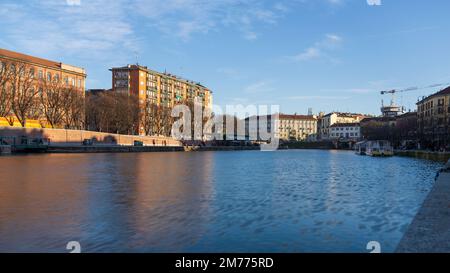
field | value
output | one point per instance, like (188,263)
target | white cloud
(73,2)
(374,2)
(259,87)
(319,49)
(52,28)
(308,54)
(184,18)
(318,98)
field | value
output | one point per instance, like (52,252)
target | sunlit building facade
(297,127)
(326,121)
(157,88)
(44,70)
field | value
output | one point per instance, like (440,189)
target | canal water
(249,201)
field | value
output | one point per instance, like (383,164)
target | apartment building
(297,127)
(288,127)
(43,70)
(345,131)
(156,88)
(434,120)
(326,121)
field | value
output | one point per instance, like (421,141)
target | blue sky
(324,54)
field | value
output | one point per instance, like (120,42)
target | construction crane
(392,109)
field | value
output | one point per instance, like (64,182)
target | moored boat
(379,148)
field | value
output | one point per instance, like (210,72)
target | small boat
(360,148)
(379,148)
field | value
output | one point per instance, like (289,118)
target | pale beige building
(297,127)
(326,121)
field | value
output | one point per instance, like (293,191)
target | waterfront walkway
(430,230)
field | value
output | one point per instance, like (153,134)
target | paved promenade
(430,230)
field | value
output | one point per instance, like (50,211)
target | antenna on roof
(137,57)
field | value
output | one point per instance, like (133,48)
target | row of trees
(399,131)
(24,97)
(112,112)
(56,104)
(120,113)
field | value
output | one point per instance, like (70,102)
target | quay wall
(222,148)
(112,149)
(76,137)
(430,230)
(437,156)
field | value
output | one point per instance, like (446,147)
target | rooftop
(378,119)
(297,117)
(443,92)
(345,125)
(145,68)
(38,61)
(340,114)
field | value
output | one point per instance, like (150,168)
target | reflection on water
(286,201)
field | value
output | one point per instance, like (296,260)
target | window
(66,80)
(57,77)
(32,72)
(79,83)
(49,76)
(41,74)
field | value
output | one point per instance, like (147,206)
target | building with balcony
(156,88)
(433,113)
(288,127)
(297,127)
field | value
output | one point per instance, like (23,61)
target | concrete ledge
(112,149)
(222,148)
(438,156)
(430,230)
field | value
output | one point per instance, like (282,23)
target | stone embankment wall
(430,230)
(76,137)
(438,156)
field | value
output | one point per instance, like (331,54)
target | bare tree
(23,90)
(113,113)
(73,108)
(126,113)
(53,97)
(5,91)
(146,118)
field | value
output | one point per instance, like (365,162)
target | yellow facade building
(297,127)
(44,70)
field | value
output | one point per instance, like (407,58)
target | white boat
(379,148)
(360,148)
